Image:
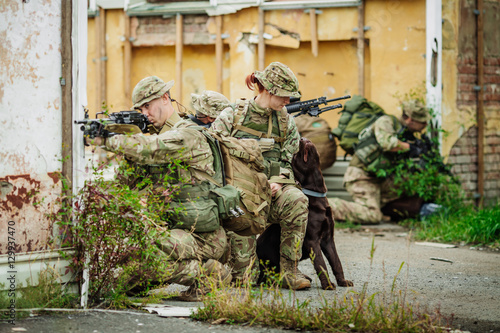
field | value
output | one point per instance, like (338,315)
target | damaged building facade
(377,48)
(52,57)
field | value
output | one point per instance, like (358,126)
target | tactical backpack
(358,114)
(243,169)
(319,132)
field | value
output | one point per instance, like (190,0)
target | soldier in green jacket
(265,118)
(371,193)
(187,254)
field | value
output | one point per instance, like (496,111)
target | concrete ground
(462,282)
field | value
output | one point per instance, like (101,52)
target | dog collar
(313,193)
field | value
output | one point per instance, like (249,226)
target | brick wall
(463,158)
(463,155)
(467,80)
(159,31)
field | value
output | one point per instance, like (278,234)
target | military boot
(292,277)
(217,271)
(219,275)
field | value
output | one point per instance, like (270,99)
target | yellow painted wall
(329,75)
(397,49)
(394,57)
(115,27)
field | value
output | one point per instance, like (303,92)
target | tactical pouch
(272,168)
(228,200)
(194,209)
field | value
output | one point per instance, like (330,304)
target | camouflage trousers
(369,196)
(289,209)
(182,253)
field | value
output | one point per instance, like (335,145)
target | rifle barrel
(338,98)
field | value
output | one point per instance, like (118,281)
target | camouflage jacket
(386,135)
(224,125)
(179,143)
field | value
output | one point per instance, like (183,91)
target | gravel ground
(463,282)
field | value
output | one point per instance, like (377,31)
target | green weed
(49,293)
(466,224)
(269,305)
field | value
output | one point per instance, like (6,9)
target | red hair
(251,81)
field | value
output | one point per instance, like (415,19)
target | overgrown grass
(466,224)
(354,311)
(49,293)
(349,313)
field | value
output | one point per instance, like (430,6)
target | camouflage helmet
(279,80)
(148,89)
(416,110)
(209,103)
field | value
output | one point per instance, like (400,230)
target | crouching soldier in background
(380,145)
(196,239)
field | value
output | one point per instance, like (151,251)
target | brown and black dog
(319,237)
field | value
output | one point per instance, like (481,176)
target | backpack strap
(241,109)
(240,112)
(283,124)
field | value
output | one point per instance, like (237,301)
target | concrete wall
(30,114)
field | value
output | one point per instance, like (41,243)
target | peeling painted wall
(394,53)
(30,117)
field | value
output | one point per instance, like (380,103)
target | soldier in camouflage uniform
(371,193)
(265,118)
(187,254)
(207,106)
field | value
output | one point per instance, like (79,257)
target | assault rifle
(122,122)
(311,106)
(428,153)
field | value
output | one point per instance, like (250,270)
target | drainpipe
(66,94)
(433,59)
(480,103)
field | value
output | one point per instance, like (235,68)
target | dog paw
(345,283)
(329,287)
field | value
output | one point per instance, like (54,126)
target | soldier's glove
(416,150)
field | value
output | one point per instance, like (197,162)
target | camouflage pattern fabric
(279,80)
(209,103)
(290,210)
(289,207)
(186,144)
(416,110)
(369,193)
(181,255)
(148,89)
(223,126)
(243,259)
(185,253)
(385,133)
